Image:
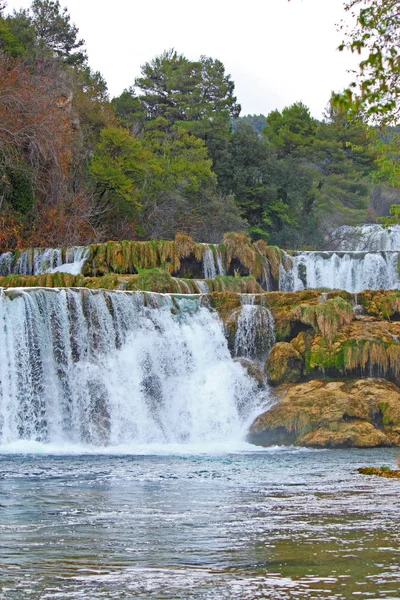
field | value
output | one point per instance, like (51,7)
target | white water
(255,334)
(202,286)
(212,265)
(369,238)
(97,368)
(350,271)
(37,261)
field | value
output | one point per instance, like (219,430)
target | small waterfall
(36,261)
(75,256)
(366,238)
(255,333)
(350,271)
(202,286)
(209,268)
(109,368)
(212,262)
(220,264)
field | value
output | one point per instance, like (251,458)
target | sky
(277,52)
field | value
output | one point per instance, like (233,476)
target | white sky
(276,52)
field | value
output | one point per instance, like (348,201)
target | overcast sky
(276,52)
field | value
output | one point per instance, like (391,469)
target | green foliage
(257,122)
(375,36)
(170,154)
(119,167)
(197,94)
(290,130)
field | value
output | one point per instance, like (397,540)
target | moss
(330,414)
(224,302)
(380,472)
(284,364)
(326,317)
(240,285)
(382,304)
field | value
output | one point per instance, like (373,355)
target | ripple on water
(279,524)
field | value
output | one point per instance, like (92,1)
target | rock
(284,364)
(357,434)
(380,472)
(365,347)
(336,414)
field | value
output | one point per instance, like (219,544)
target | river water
(185,523)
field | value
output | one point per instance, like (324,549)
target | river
(181,522)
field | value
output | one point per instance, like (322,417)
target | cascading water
(212,264)
(37,261)
(255,334)
(117,368)
(350,271)
(367,238)
(202,286)
(209,269)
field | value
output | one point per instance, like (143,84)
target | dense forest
(171,154)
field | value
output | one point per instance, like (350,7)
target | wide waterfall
(350,271)
(117,368)
(37,261)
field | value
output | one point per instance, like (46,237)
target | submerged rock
(336,414)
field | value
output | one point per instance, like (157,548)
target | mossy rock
(382,304)
(364,348)
(354,413)
(284,365)
(224,302)
(326,317)
(380,472)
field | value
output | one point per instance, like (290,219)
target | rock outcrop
(335,414)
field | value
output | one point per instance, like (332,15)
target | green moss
(383,471)
(327,317)
(224,302)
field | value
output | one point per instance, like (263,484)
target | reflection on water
(279,524)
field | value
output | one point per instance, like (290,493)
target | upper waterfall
(110,368)
(350,271)
(366,238)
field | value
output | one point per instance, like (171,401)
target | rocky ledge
(332,414)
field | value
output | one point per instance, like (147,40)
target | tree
(290,129)
(195,94)
(119,167)
(35,130)
(55,31)
(376,37)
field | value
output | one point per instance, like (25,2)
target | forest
(172,154)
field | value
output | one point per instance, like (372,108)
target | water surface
(278,523)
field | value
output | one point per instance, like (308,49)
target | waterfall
(350,271)
(368,238)
(209,268)
(202,286)
(220,264)
(37,261)
(212,262)
(255,334)
(107,368)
